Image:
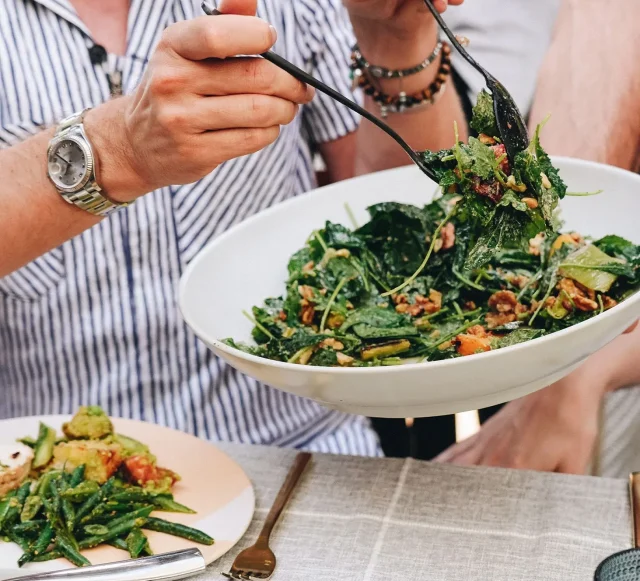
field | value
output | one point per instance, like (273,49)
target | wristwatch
(71,166)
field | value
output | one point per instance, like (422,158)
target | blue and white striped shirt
(95,321)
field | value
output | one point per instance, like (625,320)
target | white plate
(249,263)
(212,484)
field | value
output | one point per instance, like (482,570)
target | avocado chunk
(89,423)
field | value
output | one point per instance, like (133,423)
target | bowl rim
(443,364)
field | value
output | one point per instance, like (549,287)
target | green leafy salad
(482,267)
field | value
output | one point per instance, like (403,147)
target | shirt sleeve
(329,40)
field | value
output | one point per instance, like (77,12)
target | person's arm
(192,111)
(554,429)
(590,83)
(396,34)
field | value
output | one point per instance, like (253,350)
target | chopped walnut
(585,304)
(307,312)
(448,236)
(608,302)
(332,343)
(535,244)
(415,310)
(503,301)
(306,292)
(477,331)
(519,280)
(483,138)
(521,309)
(344,360)
(307,268)
(399,299)
(494,320)
(282,316)
(436,298)
(402,308)
(343,253)
(470,306)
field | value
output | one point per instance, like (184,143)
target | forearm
(615,366)
(34,218)
(590,83)
(426,128)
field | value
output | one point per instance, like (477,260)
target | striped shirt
(96,321)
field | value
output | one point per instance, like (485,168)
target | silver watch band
(90,198)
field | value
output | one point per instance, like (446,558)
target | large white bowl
(248,263)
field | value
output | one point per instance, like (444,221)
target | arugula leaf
(484,119)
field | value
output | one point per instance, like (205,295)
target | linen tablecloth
(386,519)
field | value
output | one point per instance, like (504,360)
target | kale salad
(483,266)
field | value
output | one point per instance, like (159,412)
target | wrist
(392,48)
(115,171)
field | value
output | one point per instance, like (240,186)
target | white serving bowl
(248,263)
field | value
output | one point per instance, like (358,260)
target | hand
(193,109)
(553,430)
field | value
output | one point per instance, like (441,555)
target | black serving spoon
(511,125)
(301,75)
(625,565)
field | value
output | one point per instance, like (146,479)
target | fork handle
(299,464)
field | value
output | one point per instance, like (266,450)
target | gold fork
(258,561)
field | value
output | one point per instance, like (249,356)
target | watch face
(69,165)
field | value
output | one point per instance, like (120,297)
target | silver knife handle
(165,567)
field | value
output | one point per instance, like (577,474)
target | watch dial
(67,164)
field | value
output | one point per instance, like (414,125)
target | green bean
(68,512)
(5,505)
(170,505)
(94,500)
(77,476)
(30,526)
(30,508)
(82,492)
(134,494)
(19,540)
(39,547)
(178,530)
(15,505)
(108,510)
(45,482)
(48,556)
(139,513)
(121,529)
(136,541)
(96,530)
(70,551)
(118,544)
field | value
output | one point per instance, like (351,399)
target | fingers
(219,37)
(632,328)
(242,7)
(239,142)
(241,76)
(242,111)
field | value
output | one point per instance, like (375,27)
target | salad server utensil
(258,561)
(163,567)
(625,565)
(310,80)
(511,125)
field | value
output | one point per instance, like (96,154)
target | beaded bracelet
(382,73)
(403,102)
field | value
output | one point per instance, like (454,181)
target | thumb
(239,7)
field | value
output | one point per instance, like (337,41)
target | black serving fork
(511,125)
(305,77)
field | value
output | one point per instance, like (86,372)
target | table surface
(385,519)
